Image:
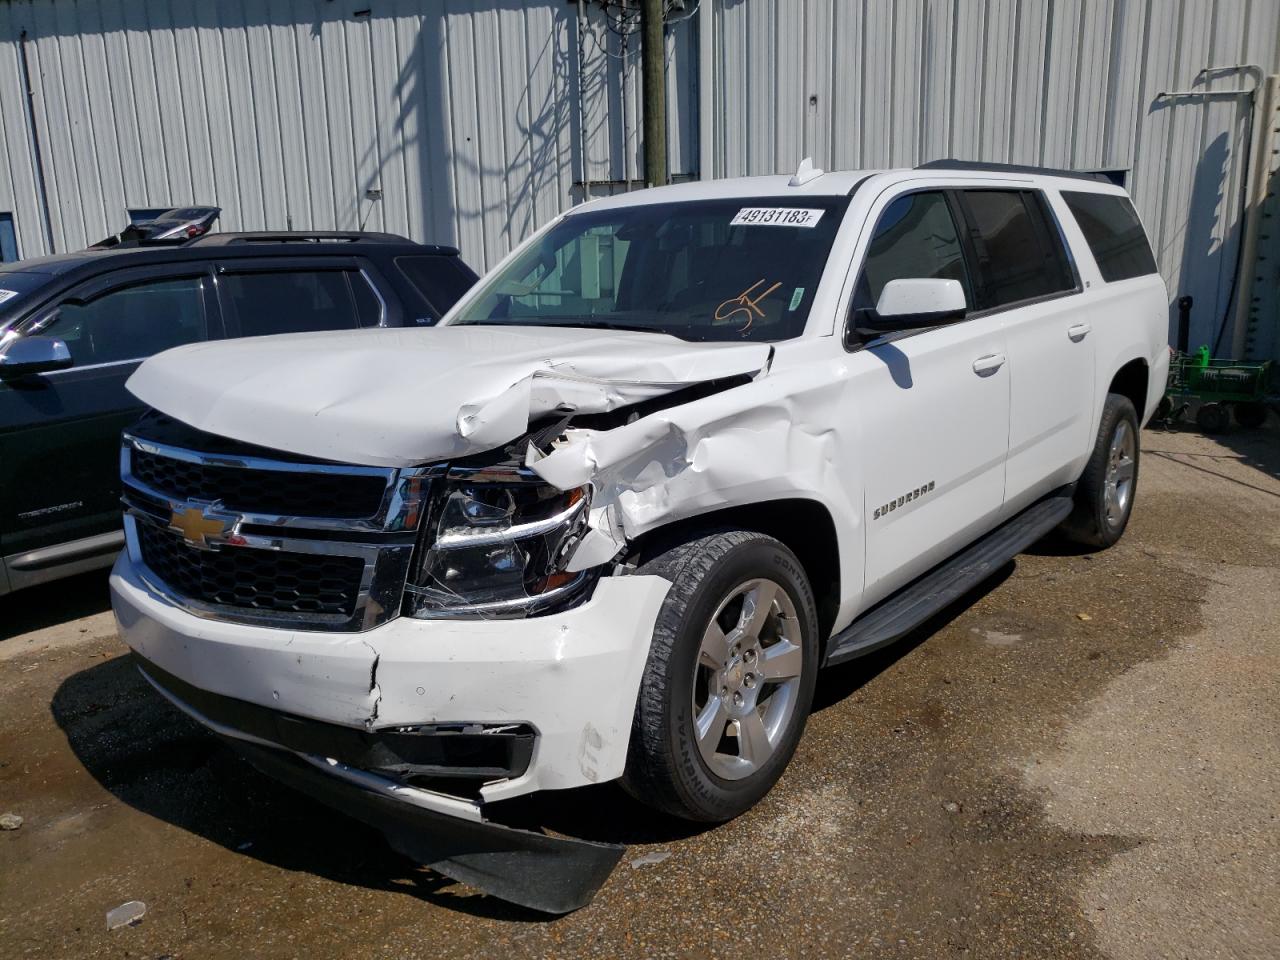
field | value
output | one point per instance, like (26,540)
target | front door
(932,405)
(60,431)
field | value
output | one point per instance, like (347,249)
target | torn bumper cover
(447,833)
(370,713)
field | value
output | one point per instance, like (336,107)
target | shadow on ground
(1258,448)
(157,760)
(50,604)
(164,764)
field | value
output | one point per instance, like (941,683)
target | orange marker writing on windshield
(743,303)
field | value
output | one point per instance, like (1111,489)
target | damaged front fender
(768,439)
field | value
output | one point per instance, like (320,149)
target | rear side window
(1019,251)
(438,279)
(1111,228)
(298,301)
(915,238)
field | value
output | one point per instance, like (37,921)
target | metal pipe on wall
(582,100)
(37,158)
(1266,104)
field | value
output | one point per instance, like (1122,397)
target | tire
(1105,493)
(1251,415)
(720,577)
(1212,418)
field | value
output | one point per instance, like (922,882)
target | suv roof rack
(299,236)
(976,165)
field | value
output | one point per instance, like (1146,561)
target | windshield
(732,270)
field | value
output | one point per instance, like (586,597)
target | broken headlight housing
(496,544)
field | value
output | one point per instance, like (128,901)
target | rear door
(932,405)
(60,431)
(270,295)
(1026,280)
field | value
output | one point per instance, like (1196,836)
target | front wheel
(730,676)
(1104,496)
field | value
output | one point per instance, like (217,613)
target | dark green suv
(73,327)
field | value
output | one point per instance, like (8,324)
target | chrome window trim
(93,366)
(382,303)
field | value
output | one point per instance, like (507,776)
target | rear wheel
(1212,418)
(730,676)
(1104,495)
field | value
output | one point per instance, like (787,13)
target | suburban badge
(906,498)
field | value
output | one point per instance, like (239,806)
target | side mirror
(29,355)
(912,304)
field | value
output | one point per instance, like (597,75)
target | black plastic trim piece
(550,874)
(975,166)
(450,751)
(911,606)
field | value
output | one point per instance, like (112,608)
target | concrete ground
(1081,761)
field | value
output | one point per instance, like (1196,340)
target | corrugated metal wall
(1064,83)
(464,113)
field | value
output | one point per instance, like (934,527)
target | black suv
(73,327)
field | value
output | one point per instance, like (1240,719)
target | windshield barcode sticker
(7,295)
(776,217)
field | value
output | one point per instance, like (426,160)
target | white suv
(680,450)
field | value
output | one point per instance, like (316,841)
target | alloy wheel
(1121,467)
(747,678)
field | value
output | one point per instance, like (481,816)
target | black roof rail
(979,167)
(298,236)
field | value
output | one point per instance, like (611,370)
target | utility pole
(653,53)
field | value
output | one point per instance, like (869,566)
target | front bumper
(572,677)
(448,834)
(311,708)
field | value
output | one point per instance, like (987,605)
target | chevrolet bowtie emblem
(197,527)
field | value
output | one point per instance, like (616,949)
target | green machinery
(1219,389)
(1215,389)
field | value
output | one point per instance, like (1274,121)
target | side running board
(911,606)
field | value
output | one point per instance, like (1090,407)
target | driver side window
(915,238)
(130,323)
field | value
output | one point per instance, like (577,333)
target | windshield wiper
(587,323)
(591,323)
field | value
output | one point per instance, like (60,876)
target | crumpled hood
(403,397)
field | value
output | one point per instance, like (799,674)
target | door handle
(986,366)
(1078,331)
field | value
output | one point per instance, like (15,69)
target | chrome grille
(241,536)
(261,491)
(253,579)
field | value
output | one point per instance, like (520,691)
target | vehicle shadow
(50,604)
(169,767)
(840,682)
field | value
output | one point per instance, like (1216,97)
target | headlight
(495,544)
